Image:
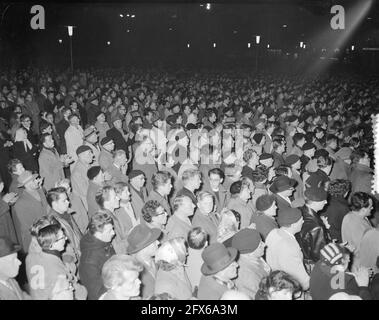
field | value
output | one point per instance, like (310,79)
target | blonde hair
(228,225)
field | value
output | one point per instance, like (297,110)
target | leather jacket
(313,235)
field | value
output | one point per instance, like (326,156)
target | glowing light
(284,26)
(268,46)
(133,16)
(108,43)
(208,7)
(70,30)
(188,45)
(257,39)
(214,45)
(249,45)
(60,40)
(301,44)
(352,48)
(121,15)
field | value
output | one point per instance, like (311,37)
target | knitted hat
(246,240)
(316,194)
(291,119)
(258,137)
(332,254)
(291,159)
(308,146)
(93,172)
(105,141)
(135,173)
(288,216)
(115,117)
(98,114)
(282,183)
(82,148)
(264,202)
(265,156)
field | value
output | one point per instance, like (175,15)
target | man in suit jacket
(283,188)
(61,127)
(74,137)
(179,223)
(96,181)
(138,192)
(162,186)
(119,167)
(117,135)
(50,164)
(79,179)
(214,186)
(30,206)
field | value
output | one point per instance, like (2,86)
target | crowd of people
(153,184)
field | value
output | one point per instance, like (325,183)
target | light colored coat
(243,209)
(194,262)
(284,253)
(74,138)
(50,168)
(177,228)
(10,290)
(117,175)
(105,159)
(353,228)
(137,202)
(174,282)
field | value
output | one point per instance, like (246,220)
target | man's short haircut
(44,125)
(98,221)
(357,155)
(149,210)
(217,171)
(119,187)
(41,223)
(160,178)
(297,137)
(43,137)
(259,174)
(118,153)
(178,201)
(102,195)
(282,170)
(13,164)
(204,194)
(359,200)
(339,187)
(54,194)
(330,138)
(189,174)
(277,141)
(197,238)
(114,268)
(248,154)
(48,235)
(24,117)
(323,162)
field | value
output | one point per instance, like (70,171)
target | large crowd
(152,184)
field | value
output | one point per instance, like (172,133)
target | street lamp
(249,45)
(60,40)
(301,44)
(352,48)
(214,45)
(268,46)
(257,40)
(70,30)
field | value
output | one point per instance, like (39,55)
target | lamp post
(70,30)
(257,40)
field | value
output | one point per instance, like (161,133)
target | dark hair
(323,162)
(44,125)
(48,235)
(277,280)
(358,155)
(359,200)
(297,137)
(102,195)
(41,223)
(160,178)
(197,237)
(43,137)
(339,187)
(149,210)
(282,170)
(12,165)
(98,221)
(54,194)
(217,171)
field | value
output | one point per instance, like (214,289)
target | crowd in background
(153,184)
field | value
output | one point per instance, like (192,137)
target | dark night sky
(231,26)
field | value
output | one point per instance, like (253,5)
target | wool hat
(265,156)
(291,119)
(246,240)
(89,131)
(288,216)
(105,141)
(93,172)
(115,117)
(26,177)
(332,254)
(264,202)
(82,148)
(135,173)
(217,257)
(344,153)
(258,137)
(292,159)
(99,113)
(7,247)
(282,183)
(316,194)
(308,146)
(142,236)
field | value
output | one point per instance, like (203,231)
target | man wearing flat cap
(283,251)
(79,179)
(252,267)
(283,188)
(9,267)
(106,153)
(313,235)
(91,139)
(219,269)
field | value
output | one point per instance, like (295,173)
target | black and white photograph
(185,151)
